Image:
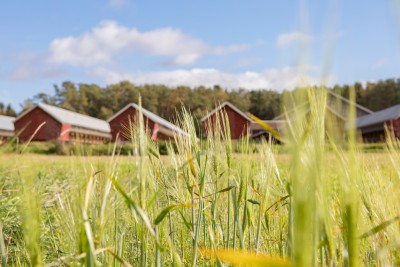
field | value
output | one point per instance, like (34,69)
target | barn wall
(49,131)
(120,125)
(238,125)
(164,137)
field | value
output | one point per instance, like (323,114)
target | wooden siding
(238,125)
(122,124)
(376,132)
(396,128)
(28,124)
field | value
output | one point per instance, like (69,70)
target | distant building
(337,113)
(239,122)
(122,123)
(258,132)
(337,106)
(46,123)
(6,128)
(340,105)
(372,126)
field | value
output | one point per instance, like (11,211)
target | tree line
(7,110)
(103,102)
(93,100)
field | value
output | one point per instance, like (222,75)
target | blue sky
(249,44)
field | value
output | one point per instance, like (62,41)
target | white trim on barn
(226,103)
(155,118)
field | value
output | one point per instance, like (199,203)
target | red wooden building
(123,122)
(6,128)
(46,123)
(372,126)
(239,122)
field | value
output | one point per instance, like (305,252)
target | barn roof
(155,118)
(358,106)
(379,116)
(226,103)
(6,123)
(69,117)
(331,107)
(276,124)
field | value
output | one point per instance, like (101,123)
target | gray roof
(6,123)
(226,103)
(379,116)
(331,106)
(153,117)
(74,119)
(358,106)
(276,124)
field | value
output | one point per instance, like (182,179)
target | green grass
(308,202)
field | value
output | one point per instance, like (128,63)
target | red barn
(122,122)
(46,123)
(372,126)
(239,122)
(6,128)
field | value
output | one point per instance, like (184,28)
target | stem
(196,239)
(229,217)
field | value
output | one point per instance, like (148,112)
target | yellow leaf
(243,258)
(190,160)
(267,127)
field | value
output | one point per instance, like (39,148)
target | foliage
(69,149)
(99,102)
(7,110)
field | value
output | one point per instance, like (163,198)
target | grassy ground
(45,199)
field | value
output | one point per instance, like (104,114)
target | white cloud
(292,37)
(108,39)
(276,79)
(117,3)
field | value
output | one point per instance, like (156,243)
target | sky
(254,44)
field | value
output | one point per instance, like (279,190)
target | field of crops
(205,204)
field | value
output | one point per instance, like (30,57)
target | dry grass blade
(221,191)
(243,258)
(267,127)
(33,135)
(165,211)
(380,227)
(277,202)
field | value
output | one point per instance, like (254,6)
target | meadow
(318,203)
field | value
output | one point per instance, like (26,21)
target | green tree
(68,97)
(10,111)
(240,98)
(265,104)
